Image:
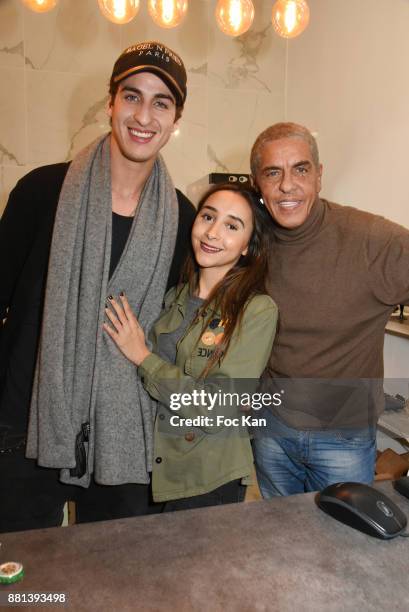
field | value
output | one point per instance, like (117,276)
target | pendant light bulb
(290,17)
(167,13)
(119,11)
(234,17)
(40,6)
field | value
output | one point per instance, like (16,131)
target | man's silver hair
(277,132)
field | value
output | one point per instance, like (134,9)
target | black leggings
(32,497)
(229,493)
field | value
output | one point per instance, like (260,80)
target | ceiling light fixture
(40,6)
(119,11)
(290,17)
(234,17)
(167,13)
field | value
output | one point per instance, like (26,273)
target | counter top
(395,423)
(282,555)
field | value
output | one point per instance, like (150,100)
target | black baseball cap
(152,56)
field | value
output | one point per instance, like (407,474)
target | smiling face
(288,180)
(221,231)
(142,116)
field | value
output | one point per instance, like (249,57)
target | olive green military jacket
(194,457)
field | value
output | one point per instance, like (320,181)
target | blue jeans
(290,461)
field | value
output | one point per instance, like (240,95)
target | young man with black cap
(72,236)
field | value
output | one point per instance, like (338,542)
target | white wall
(348,80)
(396,355)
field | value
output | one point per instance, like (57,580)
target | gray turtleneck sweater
(336,279)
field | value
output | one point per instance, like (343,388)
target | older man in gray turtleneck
(336,274)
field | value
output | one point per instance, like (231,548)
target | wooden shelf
(395,327)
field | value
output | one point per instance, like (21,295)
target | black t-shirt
(121,226)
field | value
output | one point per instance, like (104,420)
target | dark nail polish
(107,306)
(122,294)
(110,297)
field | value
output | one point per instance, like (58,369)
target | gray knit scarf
(81,376)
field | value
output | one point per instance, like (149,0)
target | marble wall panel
(185,153)
(11,34)
(254,60)
(235,121)
(12,117)
(56,104)
(74,37)
(65,112)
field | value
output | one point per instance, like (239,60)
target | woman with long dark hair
(212,340)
